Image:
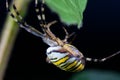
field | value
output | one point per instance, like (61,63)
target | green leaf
(96,75)
(69,11)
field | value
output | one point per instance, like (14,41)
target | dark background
(99,37)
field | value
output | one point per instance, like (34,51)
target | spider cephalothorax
(60,52)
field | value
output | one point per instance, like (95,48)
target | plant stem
(8,35)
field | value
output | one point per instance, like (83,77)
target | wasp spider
(60,53)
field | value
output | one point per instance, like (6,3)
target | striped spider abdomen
(64,59)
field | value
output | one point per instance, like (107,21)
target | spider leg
(46,26)
(103,59)
(67,35)
(41,17)
(17,13)
(21,23)
(48,60)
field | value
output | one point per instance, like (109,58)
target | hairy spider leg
(40,13)
(46,26)
(22,23)
(103,59)
(67,35)
(41,17)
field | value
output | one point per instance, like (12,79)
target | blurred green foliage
(96,75)
(69,11)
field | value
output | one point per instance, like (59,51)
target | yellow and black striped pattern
(65,61)
(69,66)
